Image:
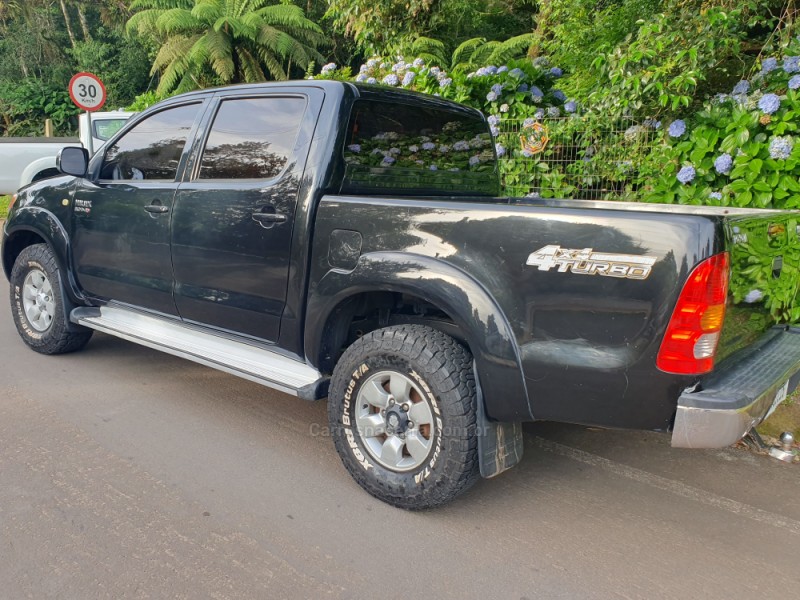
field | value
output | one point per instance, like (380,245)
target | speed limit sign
(87,91)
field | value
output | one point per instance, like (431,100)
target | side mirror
(72,161)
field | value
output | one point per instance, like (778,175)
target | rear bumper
(741,394)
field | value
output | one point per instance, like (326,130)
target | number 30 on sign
(87,91)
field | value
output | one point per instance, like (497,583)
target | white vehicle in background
(28,159)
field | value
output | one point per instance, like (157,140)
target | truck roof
(359,90)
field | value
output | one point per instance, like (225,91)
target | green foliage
(210,42)
(5,201)
(28,103)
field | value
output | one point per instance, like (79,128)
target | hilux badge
(587,262)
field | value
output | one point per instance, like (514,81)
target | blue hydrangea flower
(791,64)
(571,106)
(780,147)
(523,87)
(495,131)
(742,87)
(460,146)
(491,69)
(715,196)
(500,149)
(769,103)
(539,114)
(769,64)
(444,148)
(394,151)
(502,69)
(413,149)
(553,112)
(418,63)
(474,160)
(536,93)
(482,72)
(497,88)
(354,148)
(652,123)
(362,77)
(363,69)
(390,79)
(686,174)
(559,95)
(445,82)
(517,73)
(433,168)
(372,80)
(387,160)
(408,78)
(723,164)
(677,128)
(528,122)
(328,68)
(428,146)
(372,63)
(527,153)
(491,96)
(556,72)
(794,82)
(493,119)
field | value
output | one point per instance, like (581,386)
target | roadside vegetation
(4,202)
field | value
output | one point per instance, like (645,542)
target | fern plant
(225,41)
(477,52)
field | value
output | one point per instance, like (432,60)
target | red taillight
(693,333)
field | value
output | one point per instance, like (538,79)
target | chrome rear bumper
(740,394)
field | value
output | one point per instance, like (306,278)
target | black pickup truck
(345,242)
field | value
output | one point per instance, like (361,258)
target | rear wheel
(37,304)
(402,409)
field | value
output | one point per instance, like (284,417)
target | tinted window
(153,148)
(418,148)
(252,138)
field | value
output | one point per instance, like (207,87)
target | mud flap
(499,444)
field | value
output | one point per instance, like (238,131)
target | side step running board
(250,362)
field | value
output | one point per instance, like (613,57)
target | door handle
(269,218)
(156,208)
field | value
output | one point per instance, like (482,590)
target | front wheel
(402,410)
(37,304)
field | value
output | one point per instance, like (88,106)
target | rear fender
(471,307)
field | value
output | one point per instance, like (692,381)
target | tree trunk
(67,22)
(84,23)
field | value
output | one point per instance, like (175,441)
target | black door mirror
(73,161)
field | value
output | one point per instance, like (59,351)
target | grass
(4,202)
(785,418)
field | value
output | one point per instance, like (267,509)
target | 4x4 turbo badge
(587,262)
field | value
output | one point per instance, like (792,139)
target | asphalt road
(127,473)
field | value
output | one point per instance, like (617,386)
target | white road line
(672,486)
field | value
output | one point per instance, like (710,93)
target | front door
(122,212)
(233,218)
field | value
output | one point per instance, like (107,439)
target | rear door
(234,213)
(122,211)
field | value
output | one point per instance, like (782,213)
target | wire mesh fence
(575,157)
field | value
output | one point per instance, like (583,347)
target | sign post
(88,93)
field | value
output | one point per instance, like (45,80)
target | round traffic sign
(87,91)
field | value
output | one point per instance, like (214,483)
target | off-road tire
(57,338)
(442,369)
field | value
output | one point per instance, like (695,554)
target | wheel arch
(35,225)
(455,293)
